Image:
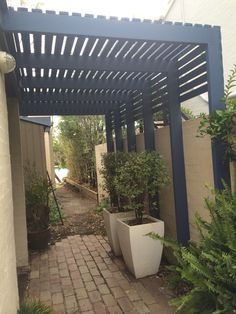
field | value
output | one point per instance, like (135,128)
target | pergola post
(109,138)
(215,94)
(148,121)
(118,130)
(177,154)
(131,137)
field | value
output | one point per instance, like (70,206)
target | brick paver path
(79,275)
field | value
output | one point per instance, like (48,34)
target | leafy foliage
(141,175)
(37,192)
(209,267)
(54,215)
(78,136)
(220,125)
(34,307)
(111,163)
(103,204)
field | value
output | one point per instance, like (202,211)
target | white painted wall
(214,12)
(18,184)
(8,278)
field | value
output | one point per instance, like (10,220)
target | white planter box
(110,221)
(142,254)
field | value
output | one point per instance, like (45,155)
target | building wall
(8,278)
(213,12)
(199,173)
(18,184)
(49,155)
(33,146)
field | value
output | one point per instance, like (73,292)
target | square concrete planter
(110,221)
(141,254)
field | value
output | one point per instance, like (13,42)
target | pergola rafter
(123,69)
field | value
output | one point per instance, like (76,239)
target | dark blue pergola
(125,70)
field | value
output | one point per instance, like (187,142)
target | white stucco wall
(213,12)
(18,184)
(8,278)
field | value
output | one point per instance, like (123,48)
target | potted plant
(111,162)
(140,176)
(37,192)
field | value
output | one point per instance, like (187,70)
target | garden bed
(84,190)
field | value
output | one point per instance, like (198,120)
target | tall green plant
(37,192)
(221,125)
(78,137)
(111,163)
(209,267)
(142,174)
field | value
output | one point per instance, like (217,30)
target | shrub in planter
(37,192)
(141,175)
(208,267)
(111,162)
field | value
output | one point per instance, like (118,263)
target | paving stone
(85,305)
(94,272)
(141,307)
(45,295)
(87,277)
(132,294)
(98,280)
(90,286)
(125,304)
(81,293)
(71,303)
(83,269)
(109,299)
(34,274)
(64,273)
(94,296)
(57,298)
(103,289)
(59,308)
(100,308)
(117,292)
(111,282)
(115,310)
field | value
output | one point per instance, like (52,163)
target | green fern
(209,267)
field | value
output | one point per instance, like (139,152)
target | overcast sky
(149,9)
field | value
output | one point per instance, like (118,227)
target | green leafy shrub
(111,163)
(209,267)
(34,307)
(221,125)
(54,215)
(103,204)
(141,174)
(37,192)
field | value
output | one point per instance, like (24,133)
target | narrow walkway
(78,275)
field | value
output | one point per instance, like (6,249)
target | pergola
(123,69)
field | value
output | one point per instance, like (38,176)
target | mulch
(82,224)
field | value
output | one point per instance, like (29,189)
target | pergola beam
(92,63)
(177,154)
(63,24)
(66,108)
(72,97)
(80,83)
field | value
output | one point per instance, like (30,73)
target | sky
(149,9)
